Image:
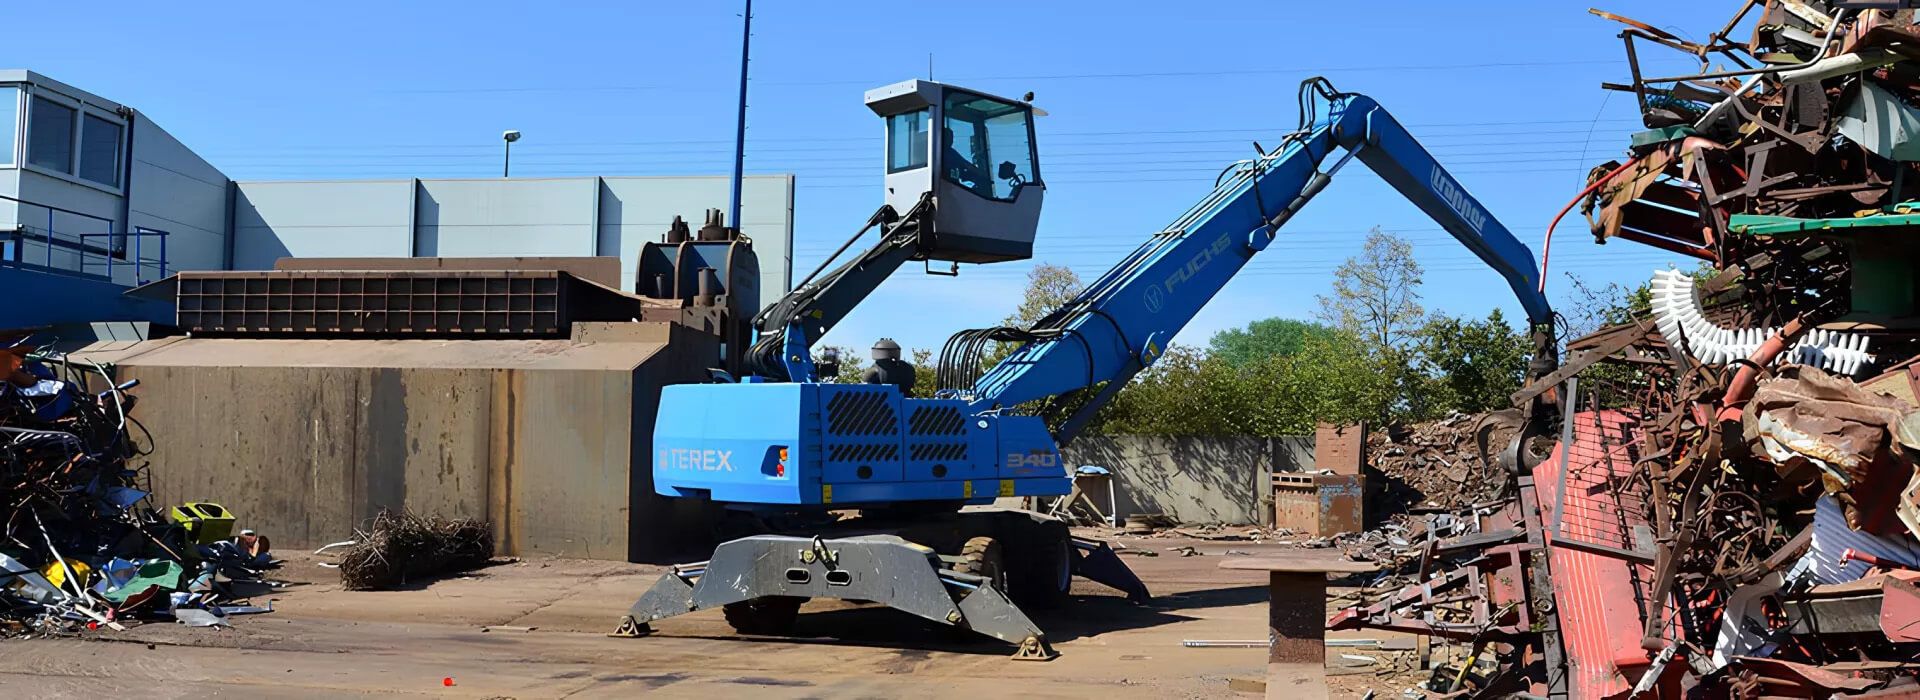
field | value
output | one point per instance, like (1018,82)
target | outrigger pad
(1035,648)
(1096,561)
(880,568)
(630,628)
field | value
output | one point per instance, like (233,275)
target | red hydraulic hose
(1546,244)
(1740,388)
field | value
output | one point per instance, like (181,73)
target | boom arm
(789,327)
(1124,320)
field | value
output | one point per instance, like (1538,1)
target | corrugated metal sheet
(1597,597)
(1832,536)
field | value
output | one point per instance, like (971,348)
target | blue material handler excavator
(963,184)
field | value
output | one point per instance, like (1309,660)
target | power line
(1221,155)
(1045,136)
(870,147)
(1241,72)
(1140,75)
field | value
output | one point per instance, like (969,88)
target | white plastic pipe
(1678,315)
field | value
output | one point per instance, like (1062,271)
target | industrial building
(466,395)
(95,198)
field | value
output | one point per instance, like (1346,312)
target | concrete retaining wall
(305,440)
(1195,479)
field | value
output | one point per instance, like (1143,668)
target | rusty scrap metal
(1710,517)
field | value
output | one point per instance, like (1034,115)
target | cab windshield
(987,145)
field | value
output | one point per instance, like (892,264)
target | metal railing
(105,252)
(117,249)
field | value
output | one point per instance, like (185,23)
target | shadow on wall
(1194,479)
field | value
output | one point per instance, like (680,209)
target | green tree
(1589,309)
(1376,294)
(1332,377)
(1185,392)
(1049,287)
(923,373)
(1266,337)
(852,362)
(1469,366)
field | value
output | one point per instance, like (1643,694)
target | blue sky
(1147,102)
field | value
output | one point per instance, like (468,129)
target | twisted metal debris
(80,543)
(1731,507)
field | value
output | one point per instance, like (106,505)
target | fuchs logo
(697,460)
(1156,296)
(1457,199)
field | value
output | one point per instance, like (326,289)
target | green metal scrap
(1651,137)
(1759,225)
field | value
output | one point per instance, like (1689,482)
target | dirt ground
(324,642)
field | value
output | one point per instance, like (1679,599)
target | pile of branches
(402,546)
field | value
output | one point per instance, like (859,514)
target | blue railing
(95,255)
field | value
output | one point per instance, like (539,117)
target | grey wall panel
(494,218)
(482,218)
(1194,479)
(345,218)
(56,192)
(174,190)
(9,186)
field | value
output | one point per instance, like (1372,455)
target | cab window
(987,145)
(907,141)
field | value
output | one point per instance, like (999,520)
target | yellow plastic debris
(57,574)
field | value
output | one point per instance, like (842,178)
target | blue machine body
(867,444)
(815,444)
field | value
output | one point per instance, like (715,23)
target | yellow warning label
(966,489)
(1006,487)
(826,493)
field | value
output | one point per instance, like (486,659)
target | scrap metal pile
(80,546)
(1733,506)
(1437,465)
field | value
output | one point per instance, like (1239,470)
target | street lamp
(506,163)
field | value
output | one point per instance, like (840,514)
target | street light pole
(740,125)
(506,160)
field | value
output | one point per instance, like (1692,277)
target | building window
(9,123)
(50,135)
(100,151)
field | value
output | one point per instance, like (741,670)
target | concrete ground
(324,642)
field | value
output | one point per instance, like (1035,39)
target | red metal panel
(1597,596)
(1340,449)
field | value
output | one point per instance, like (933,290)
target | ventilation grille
(861,413)
(936,420)
(863,453)
(938,451)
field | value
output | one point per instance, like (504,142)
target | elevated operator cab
(975,154)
